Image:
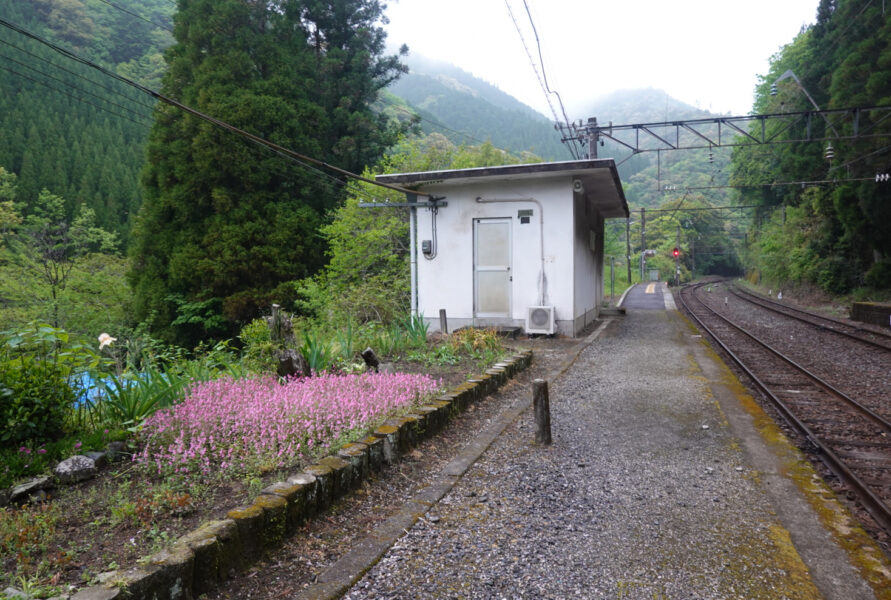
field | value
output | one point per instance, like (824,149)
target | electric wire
(78,75)
(297,156)
(541,61)
(851,24)
(138,16)
(531,61)
(780,183)
(542,78)
(79,89)
(858,159)
(437,124)
(85,101)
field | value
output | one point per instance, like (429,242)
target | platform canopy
(599,180)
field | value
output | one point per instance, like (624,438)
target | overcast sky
(704,52)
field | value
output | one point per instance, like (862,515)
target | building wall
(588,230)
(446,282)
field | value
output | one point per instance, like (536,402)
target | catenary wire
(541,61)
(542,81)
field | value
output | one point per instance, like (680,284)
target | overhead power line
(780,183)
(692,209)
(79,99)
(138,16)
(292,154)
(78,75)
(79,89)
(542,76)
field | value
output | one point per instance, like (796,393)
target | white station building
(514,246)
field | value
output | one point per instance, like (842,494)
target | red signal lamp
(675,252)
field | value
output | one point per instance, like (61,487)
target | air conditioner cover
(540,319)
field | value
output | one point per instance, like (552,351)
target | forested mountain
(63,126)
(467,110)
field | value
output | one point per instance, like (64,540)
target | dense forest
(836,235)
(68,129)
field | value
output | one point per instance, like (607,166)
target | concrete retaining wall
(204,557)
(871,312)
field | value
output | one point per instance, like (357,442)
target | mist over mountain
(470,111)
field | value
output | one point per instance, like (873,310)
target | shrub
(38,367)
(879,275)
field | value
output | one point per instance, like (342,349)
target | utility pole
(693,255)
(643,242)
(592,137)
(677,260)
(628,247)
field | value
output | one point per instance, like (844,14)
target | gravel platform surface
(645,493)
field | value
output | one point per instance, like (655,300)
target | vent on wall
(540,319)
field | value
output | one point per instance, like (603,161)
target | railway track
(871,337)
(852,440)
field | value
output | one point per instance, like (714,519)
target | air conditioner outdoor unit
(540,319)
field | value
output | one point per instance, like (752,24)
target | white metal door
(491,267)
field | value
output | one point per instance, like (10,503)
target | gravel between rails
(643,494)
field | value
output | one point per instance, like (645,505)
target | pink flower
(25,450)
(77,445)
(222,423)
(41,451)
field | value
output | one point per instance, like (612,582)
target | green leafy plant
(38,368)
(212,363)
(131,398)
(317,351)
(346,342)
(415,328)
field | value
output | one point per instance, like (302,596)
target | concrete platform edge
(843,561)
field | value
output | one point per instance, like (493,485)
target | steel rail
(873,504)
(771,305)
(877,418)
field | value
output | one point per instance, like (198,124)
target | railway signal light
(675,253)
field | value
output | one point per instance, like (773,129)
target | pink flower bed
(228,423)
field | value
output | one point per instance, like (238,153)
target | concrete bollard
(542,409)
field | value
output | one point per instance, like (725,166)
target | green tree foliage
(45,246)
(843,61)
(53,270)
(225,224)
(710,240)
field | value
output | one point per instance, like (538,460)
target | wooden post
(443,322)
(281,331)
(371,361)
(542,408)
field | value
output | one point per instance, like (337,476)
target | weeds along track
(814,379)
